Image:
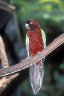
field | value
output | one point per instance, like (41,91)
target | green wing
(27,44)
(43,37)
(27,41)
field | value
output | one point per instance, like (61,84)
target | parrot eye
(28,21)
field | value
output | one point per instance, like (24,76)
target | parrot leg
(36,73)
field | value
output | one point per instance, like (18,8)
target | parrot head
(32,24)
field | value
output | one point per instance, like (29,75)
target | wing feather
(27,44)
(43,37)
(36,72)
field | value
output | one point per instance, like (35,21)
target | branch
(4,60)
(3,55)
(32,60)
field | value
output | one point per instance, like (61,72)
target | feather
(43,37)
(27,44)
(36,73)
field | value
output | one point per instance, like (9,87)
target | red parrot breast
(35,42)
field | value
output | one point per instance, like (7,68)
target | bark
(4,81)
(32,60)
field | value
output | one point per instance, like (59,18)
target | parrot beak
(27,26)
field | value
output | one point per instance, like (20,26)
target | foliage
(40,9)
(50,13)
(52,9)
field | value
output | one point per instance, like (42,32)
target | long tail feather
(36,73)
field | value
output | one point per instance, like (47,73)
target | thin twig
(32,60)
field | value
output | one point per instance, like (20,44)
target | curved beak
(27,26)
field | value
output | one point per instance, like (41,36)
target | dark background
(50,14)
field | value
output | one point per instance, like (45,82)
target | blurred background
(50,14)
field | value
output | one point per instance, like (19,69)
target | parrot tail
(36,73)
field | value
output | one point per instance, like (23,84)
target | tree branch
(4,60)
(32,60)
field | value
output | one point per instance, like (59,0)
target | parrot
(35,43)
